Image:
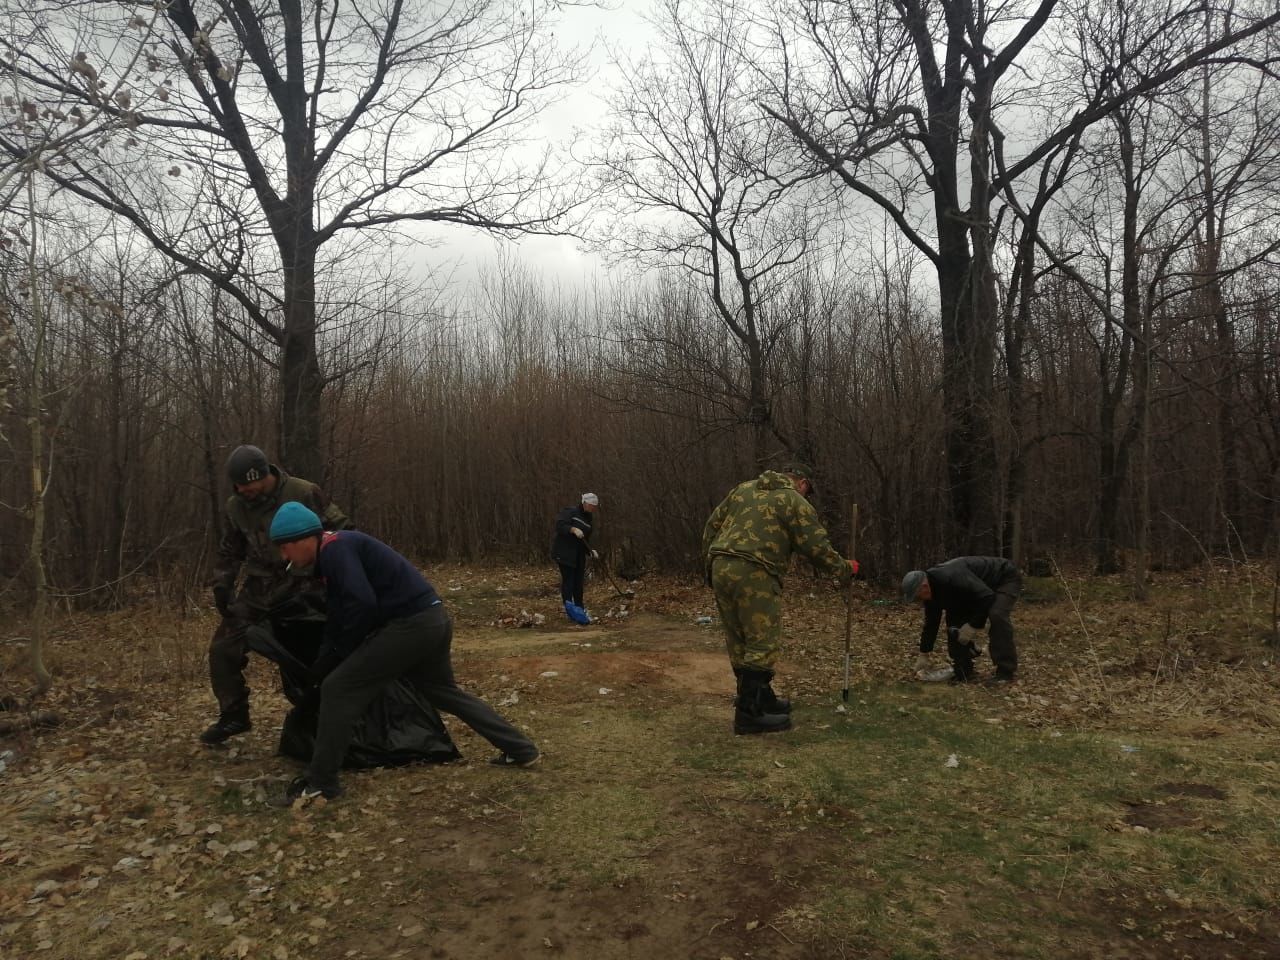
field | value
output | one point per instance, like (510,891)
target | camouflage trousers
(749,599)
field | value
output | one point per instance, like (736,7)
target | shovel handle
(848,610)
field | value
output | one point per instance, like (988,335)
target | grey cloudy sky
(466,254)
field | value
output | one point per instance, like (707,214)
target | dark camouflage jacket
(246,542)
(764,521)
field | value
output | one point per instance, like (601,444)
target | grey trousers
(418,649)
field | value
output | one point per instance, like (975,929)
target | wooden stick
(848,612)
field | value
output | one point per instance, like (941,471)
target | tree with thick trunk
(301,121)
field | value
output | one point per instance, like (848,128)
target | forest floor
(1121,800)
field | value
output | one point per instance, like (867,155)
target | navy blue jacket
(367,584)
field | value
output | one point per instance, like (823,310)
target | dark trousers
(228,656)
(417,648)
(571,582)
(1004,654)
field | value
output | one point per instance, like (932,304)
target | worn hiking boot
(1000,678)
(507,760)
(224,729)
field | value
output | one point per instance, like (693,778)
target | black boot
(772,702)
(750,715)
(225,728)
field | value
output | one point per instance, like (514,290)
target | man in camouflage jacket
(746,548)
(269,591)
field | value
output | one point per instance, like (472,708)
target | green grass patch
(1018,820)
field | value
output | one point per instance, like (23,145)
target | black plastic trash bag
(399,727)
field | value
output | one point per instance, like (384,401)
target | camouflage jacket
(246,540)
(764,521)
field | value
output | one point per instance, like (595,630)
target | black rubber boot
(772,702)
(750,715)
(224,729)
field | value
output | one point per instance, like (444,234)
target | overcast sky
(464,253)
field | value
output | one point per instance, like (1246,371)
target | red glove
(853,565)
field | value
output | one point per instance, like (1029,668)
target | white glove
(594,555)
(577,532)
(970,635)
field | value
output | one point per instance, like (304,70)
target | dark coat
(246,543)
(567,549)
(963,589)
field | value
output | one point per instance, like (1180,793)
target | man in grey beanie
(972,592)
(570,548)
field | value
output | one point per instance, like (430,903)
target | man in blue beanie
(385,621)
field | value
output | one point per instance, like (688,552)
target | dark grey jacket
(963,589)
(565,547)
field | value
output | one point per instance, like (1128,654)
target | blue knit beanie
(293,521)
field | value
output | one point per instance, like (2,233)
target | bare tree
(906,103)
(696,170)
(293,122)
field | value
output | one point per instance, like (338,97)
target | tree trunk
(35,424)
(300,382)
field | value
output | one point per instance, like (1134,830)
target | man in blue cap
(384,621)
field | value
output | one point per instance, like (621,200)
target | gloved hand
(323,665)
(577,532)
(594,555)
(222,600)
(971,637)
(854,566)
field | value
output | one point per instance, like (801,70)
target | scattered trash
(5,757)
(702,621)
(549,673)
(952,762)
(524,620)
(605,691)
(1126,748)
(841,708)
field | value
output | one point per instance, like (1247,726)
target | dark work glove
(222,600)
(310,700)
(324,665)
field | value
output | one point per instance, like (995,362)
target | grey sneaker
(507,760)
